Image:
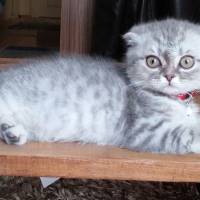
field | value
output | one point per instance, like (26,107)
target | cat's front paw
(195,147)
(13,134)
(195,144)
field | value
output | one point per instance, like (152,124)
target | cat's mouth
(188,95)
(181,94)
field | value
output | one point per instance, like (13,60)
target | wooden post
(76,26)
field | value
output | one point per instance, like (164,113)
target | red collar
(186,96)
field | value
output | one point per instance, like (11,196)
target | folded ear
(131,38)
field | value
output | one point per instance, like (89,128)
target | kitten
(88,100)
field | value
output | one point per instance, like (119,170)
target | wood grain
(71,160)
(6,62)
(10,60)
(76,26)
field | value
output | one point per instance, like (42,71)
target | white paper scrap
(46,181)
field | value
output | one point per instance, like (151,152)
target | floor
(30,189)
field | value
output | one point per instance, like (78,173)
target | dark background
(115,17)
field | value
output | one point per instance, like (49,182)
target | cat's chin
(171,91)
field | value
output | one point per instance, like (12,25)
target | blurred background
(29,27)
(115,17)
(32,27)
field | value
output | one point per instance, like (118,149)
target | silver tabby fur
(88,100)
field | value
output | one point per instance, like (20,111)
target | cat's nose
(169,77)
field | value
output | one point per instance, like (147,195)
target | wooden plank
(6,61)
(76,26)
(72,160)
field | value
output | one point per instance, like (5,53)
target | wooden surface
(89,161)
(76,26)
(7,61)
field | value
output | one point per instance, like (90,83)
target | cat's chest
(183,112)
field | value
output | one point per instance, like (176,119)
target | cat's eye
(186,62)
(153,61)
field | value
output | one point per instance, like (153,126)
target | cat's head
(164,56)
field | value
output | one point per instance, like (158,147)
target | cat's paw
(13,134)
(195,147)
(195,144)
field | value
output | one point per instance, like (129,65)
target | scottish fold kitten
(91,101)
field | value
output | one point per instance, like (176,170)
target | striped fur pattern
(62,99)
(90,101)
